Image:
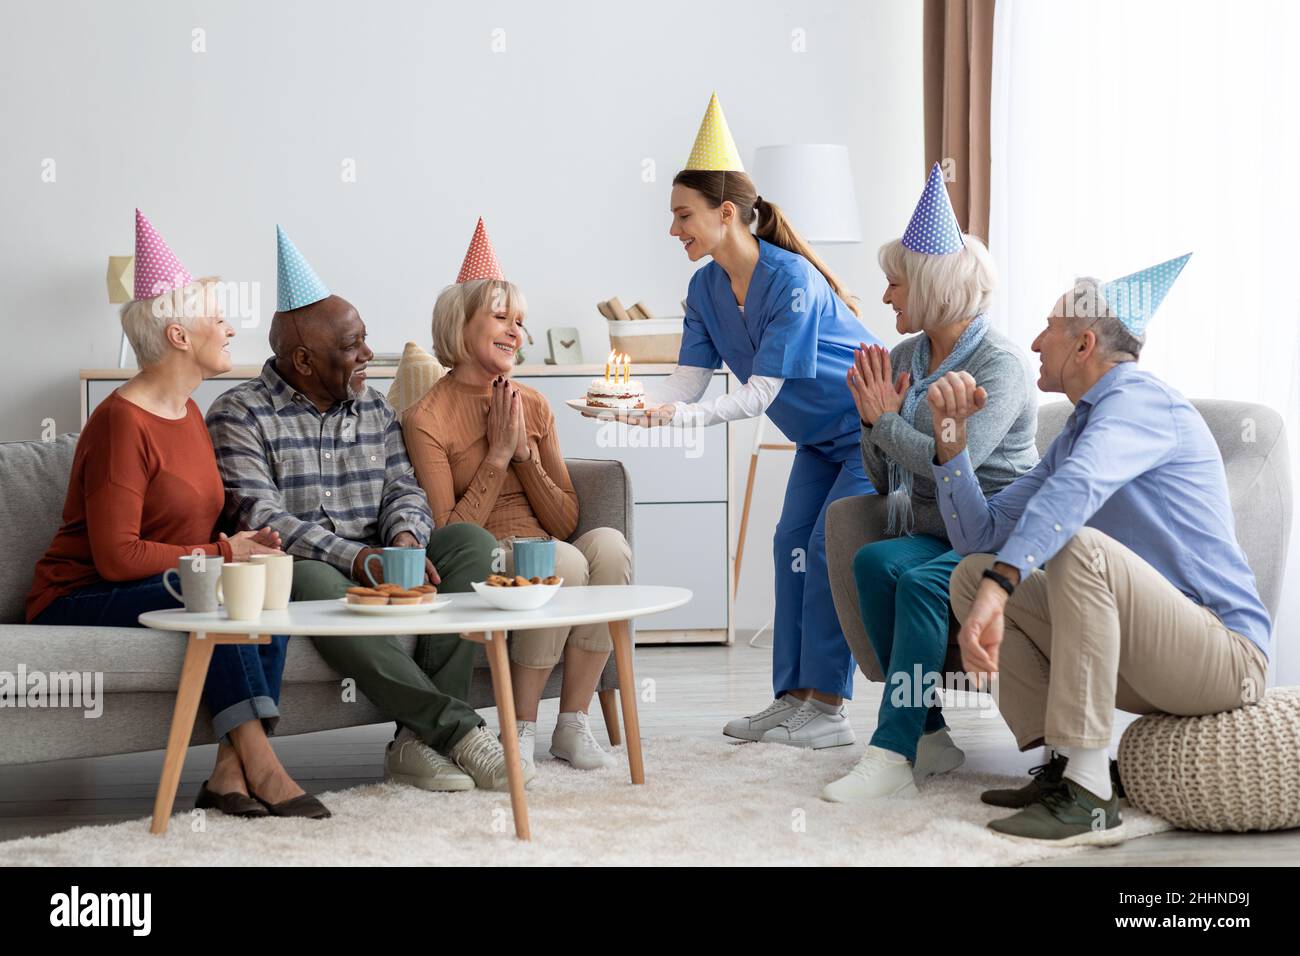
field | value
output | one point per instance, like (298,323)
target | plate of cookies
(393,600)
(517,593)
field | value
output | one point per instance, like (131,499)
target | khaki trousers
(1098,629)
(601,556)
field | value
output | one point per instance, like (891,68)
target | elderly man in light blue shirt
(1108,576)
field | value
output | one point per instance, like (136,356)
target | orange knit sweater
(144,492)
(446,439)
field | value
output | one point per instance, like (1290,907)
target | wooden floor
(696,690)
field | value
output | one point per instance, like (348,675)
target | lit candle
(627,369)
(608,360)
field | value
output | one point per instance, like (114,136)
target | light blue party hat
(934,229)
(1134,298)
(298,284)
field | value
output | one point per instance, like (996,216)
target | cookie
(553,579)
(521,582)
(404,597)
(366,596)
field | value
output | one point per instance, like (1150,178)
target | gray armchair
(141,667)
(1252,441)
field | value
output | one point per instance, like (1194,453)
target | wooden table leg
(609,710)
(198,654)
(627,693)
(499,660)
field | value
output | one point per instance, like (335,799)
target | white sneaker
(810,726)
(411,761)
(572,741)
(755,725)
(936,754)
(878,774)
(527,745)
(481,756)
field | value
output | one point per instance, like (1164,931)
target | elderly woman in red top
(144,492)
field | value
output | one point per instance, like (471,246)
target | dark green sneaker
(1064,814)
(1045,775)
(1115,783)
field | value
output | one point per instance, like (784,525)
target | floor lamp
(813,185)
(759,446)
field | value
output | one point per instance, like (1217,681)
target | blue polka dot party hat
(298,284)
(1134,298)
(934,229)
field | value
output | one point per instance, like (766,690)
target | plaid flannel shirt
(330,483)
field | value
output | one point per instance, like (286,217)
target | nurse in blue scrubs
(786,328)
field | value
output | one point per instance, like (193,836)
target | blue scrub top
(793,327)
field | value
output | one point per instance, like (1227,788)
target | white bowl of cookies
(517,593)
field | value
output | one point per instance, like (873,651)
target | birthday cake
(607,393)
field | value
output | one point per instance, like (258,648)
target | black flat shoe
(231,804)
(303,805)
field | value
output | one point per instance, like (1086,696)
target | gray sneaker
(755,726)
(411,761)
(936,754)
(481,756)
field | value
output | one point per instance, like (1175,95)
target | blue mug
(534,557)
(402,566)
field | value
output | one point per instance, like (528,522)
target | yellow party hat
(714,148)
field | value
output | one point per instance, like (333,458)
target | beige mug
(243,585)
(279,579)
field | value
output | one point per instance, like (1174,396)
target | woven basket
(1236,771)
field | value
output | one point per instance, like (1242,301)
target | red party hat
(480,259)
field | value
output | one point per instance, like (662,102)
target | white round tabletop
(466,613)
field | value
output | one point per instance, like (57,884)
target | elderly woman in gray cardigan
(903,580)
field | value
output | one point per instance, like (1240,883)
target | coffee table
(468,615)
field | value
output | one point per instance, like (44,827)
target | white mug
(243,586)
(279,579)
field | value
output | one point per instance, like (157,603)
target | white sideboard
(681,486)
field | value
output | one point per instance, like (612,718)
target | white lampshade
(813,185)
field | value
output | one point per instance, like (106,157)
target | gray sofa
(141,667)
(1252,441)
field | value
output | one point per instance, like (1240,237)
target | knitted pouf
(1239,770)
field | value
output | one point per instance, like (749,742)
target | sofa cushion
(31,509)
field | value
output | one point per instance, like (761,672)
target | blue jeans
(243,681)
(903,595)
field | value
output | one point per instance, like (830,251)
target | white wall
(546,140)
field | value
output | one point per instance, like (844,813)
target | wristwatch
(1001,580)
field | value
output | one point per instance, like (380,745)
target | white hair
(942,288)
(458,303)
(1086,308)
(145,321)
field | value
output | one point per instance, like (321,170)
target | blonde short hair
(942,289)
(458,303)
(145,321)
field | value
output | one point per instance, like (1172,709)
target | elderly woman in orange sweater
(145,492)
(485,450)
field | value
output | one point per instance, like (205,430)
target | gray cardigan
(999,437)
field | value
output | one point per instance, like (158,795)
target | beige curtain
(958,66)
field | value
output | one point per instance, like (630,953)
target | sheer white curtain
(1127,132)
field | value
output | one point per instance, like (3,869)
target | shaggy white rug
(704,803)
